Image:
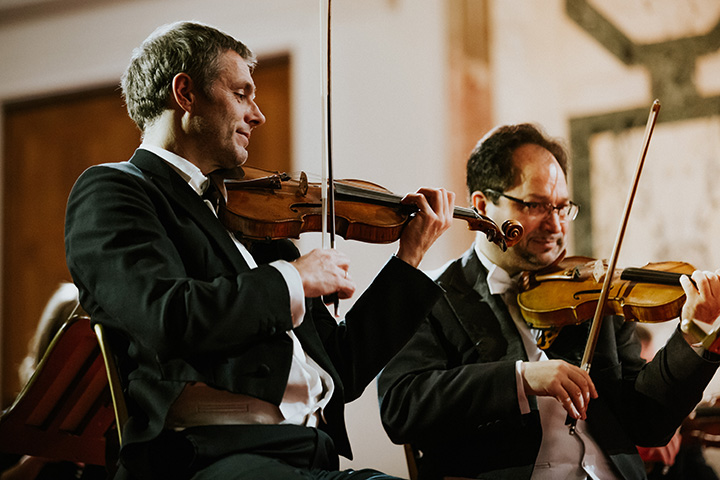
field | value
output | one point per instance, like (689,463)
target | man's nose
(256,116)
(553,220)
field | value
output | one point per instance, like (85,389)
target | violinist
(474,394)
(233,367)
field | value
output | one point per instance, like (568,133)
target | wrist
(410,258)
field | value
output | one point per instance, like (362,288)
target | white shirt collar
(498,280)
(187,170)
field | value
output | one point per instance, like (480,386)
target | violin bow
(604,292)
(328,182)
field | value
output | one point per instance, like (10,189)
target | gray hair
(182,47)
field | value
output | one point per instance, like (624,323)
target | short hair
(491,166)
(182,47)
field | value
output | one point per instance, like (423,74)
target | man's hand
(570,385)
(435,215)
(703,298)
(325,271)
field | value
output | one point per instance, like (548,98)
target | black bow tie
(213,195)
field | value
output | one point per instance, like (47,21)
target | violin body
(267,205)
(568,293)
(282,207)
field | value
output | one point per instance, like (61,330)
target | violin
(567,292)
(266,205)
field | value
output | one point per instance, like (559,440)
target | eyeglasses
(566,211)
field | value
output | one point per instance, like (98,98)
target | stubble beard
(539,261)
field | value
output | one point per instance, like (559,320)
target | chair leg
(410,456)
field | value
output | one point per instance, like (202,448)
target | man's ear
(479,201)
(183,91)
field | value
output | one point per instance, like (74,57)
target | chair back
(65,412)
(114,381)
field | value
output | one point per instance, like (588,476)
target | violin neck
(651,276)
(508,235)
(348,192)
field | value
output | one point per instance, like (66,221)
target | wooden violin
(266,205)
(567,293)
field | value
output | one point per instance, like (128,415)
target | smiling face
(221,122)
(540,179)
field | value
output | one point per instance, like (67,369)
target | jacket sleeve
(377,326)
(435,388)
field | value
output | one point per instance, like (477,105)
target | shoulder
(143,166)
(108,172)
(437,272)
(461,274)
(144,170)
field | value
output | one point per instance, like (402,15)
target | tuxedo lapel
(180,193)
(483,316)
(473,266)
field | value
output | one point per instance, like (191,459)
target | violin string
(386,198)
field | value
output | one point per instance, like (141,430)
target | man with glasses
(474,394)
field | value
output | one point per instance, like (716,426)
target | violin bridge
(599,271)
(302,185)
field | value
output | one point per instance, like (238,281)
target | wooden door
(47,144)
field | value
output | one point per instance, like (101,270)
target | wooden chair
(114,381)
(66,411)
(410,459)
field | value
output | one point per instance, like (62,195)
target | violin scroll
(512,231)
(504,237)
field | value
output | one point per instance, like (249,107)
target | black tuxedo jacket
(160,272)
(451,391)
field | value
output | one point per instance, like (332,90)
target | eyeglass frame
(549,207)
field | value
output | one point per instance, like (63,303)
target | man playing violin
(233,367)
(474,394)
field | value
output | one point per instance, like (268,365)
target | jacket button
(262,371)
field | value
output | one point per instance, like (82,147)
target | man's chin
(241,156)
(544,258)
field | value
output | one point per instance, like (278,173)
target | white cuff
(522,397)
(295,290)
